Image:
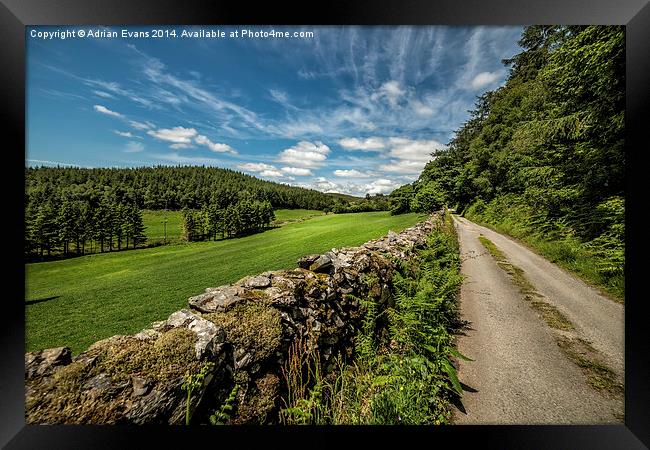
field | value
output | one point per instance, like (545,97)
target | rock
(209,336)
(258,282)
(217,299)
(44,362)
(306,261)
(322,264)
(148,335)
(140,386)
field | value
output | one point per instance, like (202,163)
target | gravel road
(519,374)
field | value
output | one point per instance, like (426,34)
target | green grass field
(293,215)
(78,301)
(154,222)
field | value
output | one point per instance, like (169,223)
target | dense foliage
(244,217)
(377,202)
(67,226)
(165,187)
(543,155)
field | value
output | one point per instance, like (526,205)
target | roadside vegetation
(78,301)
(542,157)
(402,369)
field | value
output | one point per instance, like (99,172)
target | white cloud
(271,173)
(126,134)
(256,167)
(403,166)
(133,147)
(367,145)
(103,94)
(108,112)
(279,96)
(409,156)
(325,185)
(180,145)
(381,186)
(484,79)
(305,154)
(352,173)
(214,146)
(413,150)
(298,171)
(391,91)
(140,125)
(176,135)
(421,109)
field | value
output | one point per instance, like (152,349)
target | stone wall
(242,330)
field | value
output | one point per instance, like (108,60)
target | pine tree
(138,235)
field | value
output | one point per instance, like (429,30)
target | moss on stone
(253,326)
(259,401)
(67,396)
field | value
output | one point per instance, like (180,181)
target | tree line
(75,227)
(377,202)
(165,187)
(544,151)
(244,217)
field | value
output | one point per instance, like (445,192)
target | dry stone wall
(239,333)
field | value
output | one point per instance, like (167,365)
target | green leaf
(449,369)
(458,354)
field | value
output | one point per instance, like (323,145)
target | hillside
(165,187)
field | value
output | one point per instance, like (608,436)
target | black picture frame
(634,14)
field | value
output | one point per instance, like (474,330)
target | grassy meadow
(78,301)
(154,222)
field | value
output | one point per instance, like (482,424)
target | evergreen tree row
(75,227)
(244,217)
(165,187)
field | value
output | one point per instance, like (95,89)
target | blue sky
(352,109)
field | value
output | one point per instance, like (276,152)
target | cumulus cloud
(298,171)
(256,167)
(484,79)
(378,186)
(214,146)
(409,155)
(352,173)
(381,186)
(104,110)
(271,173)
(176,135)
(366,145)
(305,154)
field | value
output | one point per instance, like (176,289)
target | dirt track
(519,374)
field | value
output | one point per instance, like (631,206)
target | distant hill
(163,187)
(344,197)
